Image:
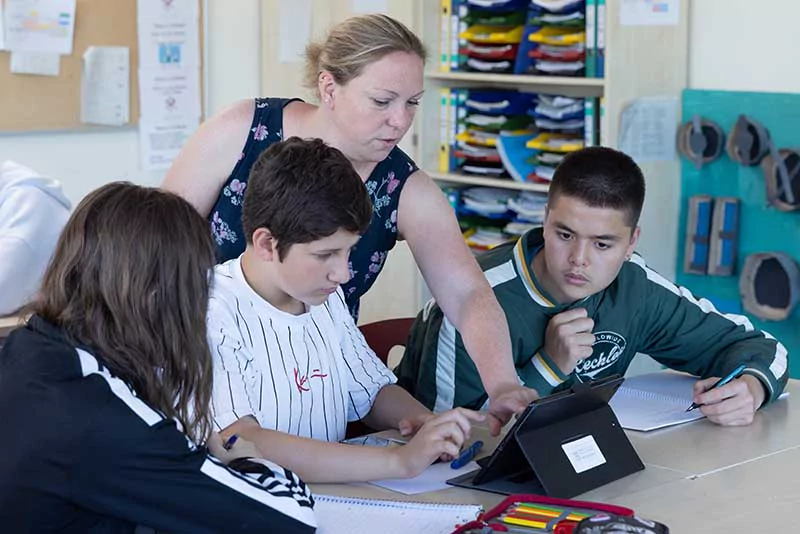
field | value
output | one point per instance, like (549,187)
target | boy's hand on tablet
(441,437)
(408,426)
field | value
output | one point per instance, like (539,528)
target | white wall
(732,46)
(84,161)
(741,45)
(724,54)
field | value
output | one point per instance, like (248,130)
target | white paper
(160,142)
(169,43)
(40,26)
(584,454)
(2,27)
(347,515)
(295,30)
(105,85)
(161,9)
(648,127)
(434,478)
(168,94)
(35,63)
(656,400)
(370,6)
(649,12)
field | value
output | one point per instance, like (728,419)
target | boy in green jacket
(580,305)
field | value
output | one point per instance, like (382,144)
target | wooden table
(699,477)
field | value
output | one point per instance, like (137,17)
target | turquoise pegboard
(761,227)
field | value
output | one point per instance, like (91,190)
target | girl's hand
(239,448)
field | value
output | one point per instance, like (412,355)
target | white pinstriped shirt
(306,375)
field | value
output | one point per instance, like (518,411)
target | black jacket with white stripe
(82,453)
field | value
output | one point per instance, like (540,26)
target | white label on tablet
(584,454)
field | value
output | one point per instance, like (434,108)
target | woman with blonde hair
(368,76)
(104,394)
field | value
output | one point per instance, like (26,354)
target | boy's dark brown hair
(303,190)
(129,281)
(601,177)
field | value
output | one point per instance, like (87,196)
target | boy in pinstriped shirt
(290,366)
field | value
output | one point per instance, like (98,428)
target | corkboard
(39,103)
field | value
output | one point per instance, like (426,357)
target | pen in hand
(736,373)
(231,440)
(467,455)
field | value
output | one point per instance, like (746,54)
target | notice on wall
(169,78)
(170,94)
(105,85)
(649,12)
(648,127)
(166,9)
(160,142)
(34,26)
(168,43)
(37,63)
(2,27)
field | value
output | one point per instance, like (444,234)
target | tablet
(508,461)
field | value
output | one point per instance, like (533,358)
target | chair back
(382,337)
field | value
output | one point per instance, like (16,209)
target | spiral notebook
(346,515)
(655,400)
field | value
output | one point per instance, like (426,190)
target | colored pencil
(523,522)
(538,506)
(572,516)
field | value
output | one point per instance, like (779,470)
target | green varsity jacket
(640,312)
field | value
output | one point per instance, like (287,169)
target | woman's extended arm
(429,225)
(209,156)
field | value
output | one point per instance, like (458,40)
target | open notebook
(345,515)
(655,400)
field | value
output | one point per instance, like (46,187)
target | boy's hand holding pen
(736,373)
(732,400)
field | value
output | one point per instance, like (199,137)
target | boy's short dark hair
(601,177)
(303,190)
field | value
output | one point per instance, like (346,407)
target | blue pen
(736,373)
(466,455)
(231,440)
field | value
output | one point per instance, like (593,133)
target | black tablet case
(530,459)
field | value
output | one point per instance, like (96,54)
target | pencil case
(613,524)
(546,514)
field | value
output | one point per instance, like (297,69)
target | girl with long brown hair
(104,394)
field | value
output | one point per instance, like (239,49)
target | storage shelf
(487,182)
(583,86)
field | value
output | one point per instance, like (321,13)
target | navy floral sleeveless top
(384,186)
